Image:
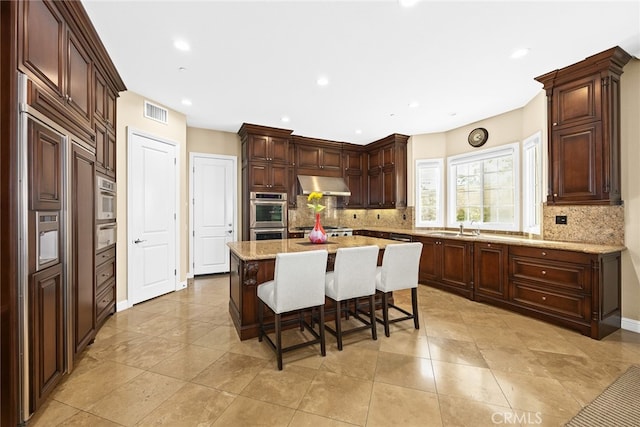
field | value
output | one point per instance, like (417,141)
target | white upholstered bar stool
(298,283)
(353,276)
(399,270)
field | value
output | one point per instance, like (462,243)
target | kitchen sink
(446,233)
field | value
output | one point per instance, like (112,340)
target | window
(531,183)
(429,194)
(483,188)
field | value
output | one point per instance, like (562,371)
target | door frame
(191,243)
(176,235)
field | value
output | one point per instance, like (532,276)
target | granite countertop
(267,249)
(505,238)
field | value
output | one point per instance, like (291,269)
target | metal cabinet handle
(544,298)
(138,241)
(544,272)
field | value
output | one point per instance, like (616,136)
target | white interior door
(152,225)
(214,190)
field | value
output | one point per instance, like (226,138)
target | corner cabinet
(387,172)
(353,160)
(584,130)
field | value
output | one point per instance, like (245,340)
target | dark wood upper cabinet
(318,157)
(54,57)
(78,79)
(41,55)
(354,176)
(387,172)
(45,167)
(584,130)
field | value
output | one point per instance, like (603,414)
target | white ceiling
(258,61)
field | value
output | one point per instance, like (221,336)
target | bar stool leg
(339,324)
(278,341)
(385,313)
(323,349)
(414,304)
(260,319)
(372,316)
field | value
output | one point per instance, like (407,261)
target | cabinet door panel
(355,184)
(375,188)
(429,269)
(308,157)
(279,150)
(389,186)
(99,96)
(47,332)
(279,177)
(42,44)
(490,278)
(332,159)
(79,79)
(45,175)
(259,177)
(258,148)
(456,263)
(577,101)
(83,246)
(576,306)
(577,157)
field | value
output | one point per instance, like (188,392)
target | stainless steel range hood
(329,186)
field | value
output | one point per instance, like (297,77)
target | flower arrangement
(314,202)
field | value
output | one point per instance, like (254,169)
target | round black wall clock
(478,137)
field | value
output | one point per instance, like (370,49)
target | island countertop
(267,249)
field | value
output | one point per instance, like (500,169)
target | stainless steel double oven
(267,216)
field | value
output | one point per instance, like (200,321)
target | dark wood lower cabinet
(491,262)
(46,333)
(447,264)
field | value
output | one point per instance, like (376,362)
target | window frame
(532,200)
(437,163)
(453,161)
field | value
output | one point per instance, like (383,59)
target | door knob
(138,241)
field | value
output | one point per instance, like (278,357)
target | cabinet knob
(555,123)
(544,254)
(544,298)
(544,272)
(70,100)
(555,194)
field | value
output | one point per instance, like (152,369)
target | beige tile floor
(177,361)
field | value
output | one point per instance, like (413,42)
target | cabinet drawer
(105,301)
(104,273)
(576,306)
(564,275)
(107,254)
(551,254)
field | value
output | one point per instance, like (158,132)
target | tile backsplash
(354,218)
(589,224)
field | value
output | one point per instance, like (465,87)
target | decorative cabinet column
(584,130)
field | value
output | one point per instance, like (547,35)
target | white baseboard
(122,305)
(631,325)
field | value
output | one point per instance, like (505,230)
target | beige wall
(630,154)
(130,116)
(208,141)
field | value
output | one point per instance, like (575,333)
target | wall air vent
(155,112)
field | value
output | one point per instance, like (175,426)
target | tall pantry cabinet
(56,76)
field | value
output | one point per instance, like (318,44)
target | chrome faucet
(461,229)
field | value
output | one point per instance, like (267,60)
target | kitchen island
(253,263)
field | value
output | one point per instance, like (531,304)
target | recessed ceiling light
(414,104)
(181,45)
(358,131)
(322,81)
(519,53)
(285,119)
(452,114)
(186,102)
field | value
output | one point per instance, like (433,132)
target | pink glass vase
(318,235)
